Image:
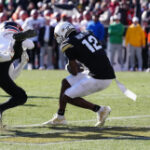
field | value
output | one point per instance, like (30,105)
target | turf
(128,126)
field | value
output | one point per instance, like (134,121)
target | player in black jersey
(85,49)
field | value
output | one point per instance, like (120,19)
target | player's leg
(85,87)
(64,99)
(73,98)
(18,95)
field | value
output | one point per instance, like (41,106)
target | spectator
(116,32)
(3,17)
(130,14)
(123,11)
(56,17)
(46,39)
(23,15)
(112,6)
(15,15)
(34,22)
(96,27)
(86,19)
(31,6)
(144,12)
(105,14)
(135,40)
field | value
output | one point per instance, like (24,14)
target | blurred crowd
(122,26)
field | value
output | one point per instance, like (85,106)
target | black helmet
(13,26)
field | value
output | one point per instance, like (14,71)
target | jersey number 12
(92,43)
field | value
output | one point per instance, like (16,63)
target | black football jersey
(85,48)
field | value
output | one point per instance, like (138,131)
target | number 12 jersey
(85,48)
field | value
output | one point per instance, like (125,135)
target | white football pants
(82,85)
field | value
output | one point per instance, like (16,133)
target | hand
(79,67)
(27,44)
(24,57)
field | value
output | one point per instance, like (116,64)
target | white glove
(24,57)
(27,44)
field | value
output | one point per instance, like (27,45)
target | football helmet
(62,31)
(11,26)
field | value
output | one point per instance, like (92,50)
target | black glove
(21,36)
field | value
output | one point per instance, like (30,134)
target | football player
(85,48)
(13,45)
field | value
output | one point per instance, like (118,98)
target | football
(80,67)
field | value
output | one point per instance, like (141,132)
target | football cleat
(21,36)
(56,120)
(102,114)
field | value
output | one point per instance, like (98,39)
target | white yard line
(84,121)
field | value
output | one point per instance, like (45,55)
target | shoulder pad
(65,45)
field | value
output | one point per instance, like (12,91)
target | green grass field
(127,128)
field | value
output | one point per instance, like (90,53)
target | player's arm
(15,72)
(69,50)
(73,67)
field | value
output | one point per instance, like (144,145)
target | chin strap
(126,91)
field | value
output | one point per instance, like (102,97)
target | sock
(96,108)
(61,112)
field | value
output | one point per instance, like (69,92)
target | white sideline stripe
(84,121)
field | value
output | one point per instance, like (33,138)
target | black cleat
(21,36)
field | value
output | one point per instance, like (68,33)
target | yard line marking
(84,121)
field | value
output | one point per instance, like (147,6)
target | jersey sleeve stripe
(66,47)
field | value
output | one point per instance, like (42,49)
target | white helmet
(62,31)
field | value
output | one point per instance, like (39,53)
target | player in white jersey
(13,45)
